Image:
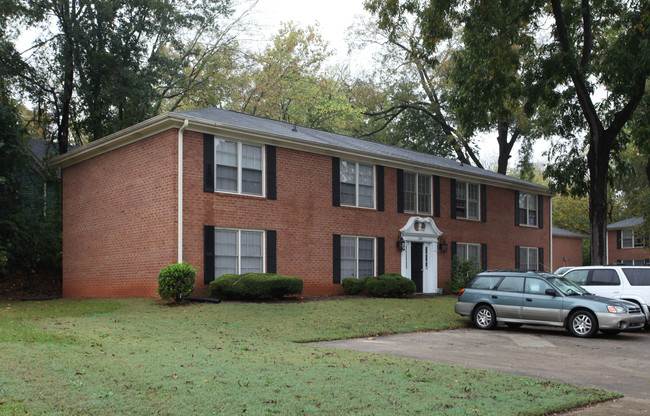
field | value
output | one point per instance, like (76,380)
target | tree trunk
(505,147)
(600,147)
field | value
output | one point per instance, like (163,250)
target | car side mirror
(551,292)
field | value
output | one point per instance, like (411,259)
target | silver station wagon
(518,298)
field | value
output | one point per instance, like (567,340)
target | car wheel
(513,324)
(583,324)
(610,331)
(484,317)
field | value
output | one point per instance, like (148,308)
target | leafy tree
(469,63)
(105,65)
(600,45)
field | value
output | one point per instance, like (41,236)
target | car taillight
(461,291)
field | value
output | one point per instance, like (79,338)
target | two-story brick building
(232,193)
(624,246)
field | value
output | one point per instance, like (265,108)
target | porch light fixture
(442,245)
(400,243)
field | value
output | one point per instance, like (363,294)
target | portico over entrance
(420,253)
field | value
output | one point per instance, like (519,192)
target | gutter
(180,190)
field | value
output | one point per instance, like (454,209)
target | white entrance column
(422,230)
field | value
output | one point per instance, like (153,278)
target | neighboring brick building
(262,195)
(623,246)
(567,248)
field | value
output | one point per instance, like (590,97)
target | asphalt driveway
(618,363)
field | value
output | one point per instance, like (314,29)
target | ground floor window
(357,257)
(528,258)
(469,251)
(238,251)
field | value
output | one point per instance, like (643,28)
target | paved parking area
(618,363)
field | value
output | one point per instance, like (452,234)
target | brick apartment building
(624,247)
(232,193)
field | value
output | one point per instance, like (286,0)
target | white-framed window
(629,240)
(239,167)
(238,251)
(469,251)
(467,200)
(528,258)
(528,209)
(357,257)
(357,184)
(417,193)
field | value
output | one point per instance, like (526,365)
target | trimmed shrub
(251,286)
(176,281)
(462,271)
(352,286)
(390,285)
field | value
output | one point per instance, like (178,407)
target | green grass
(141,357)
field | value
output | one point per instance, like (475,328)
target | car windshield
(566,286)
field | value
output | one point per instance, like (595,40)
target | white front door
(420,254)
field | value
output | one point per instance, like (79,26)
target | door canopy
(420,229)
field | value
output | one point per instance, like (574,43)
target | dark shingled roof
(347,143)
(559,232)
(628,223)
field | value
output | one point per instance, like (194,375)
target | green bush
(462,271)
(352,286)
(176,281)
(390,285)
(251,286)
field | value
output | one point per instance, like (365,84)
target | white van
(631,283)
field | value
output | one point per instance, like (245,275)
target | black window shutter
(453,198)
(271,251)
(484,256)
(517,208)
(541,259)
(484,203)
(208,163)
(336,250)
(400,191)
(517,260)
(540,210)
(336,182)
(453,249)
(208,254)
(436,196)
(271,174)
(381,258)
(618,238)
(380,188)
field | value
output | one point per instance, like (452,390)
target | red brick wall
(617,254)
(569,247)
(120,219)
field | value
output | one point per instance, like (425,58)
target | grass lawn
(141,357)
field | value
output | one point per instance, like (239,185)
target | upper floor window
(357,257)
(417,193)
(238,167)
(629,240)
(528,209)
(357,184)
(467,200)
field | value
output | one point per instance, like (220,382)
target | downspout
(550,219)
(180,190)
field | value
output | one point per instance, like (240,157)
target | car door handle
(494,296)
(529,300)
